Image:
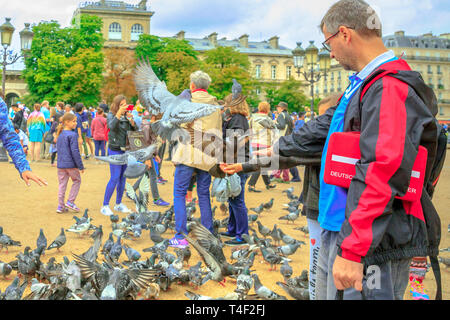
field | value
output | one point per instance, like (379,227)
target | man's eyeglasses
(325,43)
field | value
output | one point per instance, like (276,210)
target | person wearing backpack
(369,235)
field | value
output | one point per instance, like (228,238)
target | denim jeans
(238,223)
(117,180)
(100,147)
(183,175)
(388,281)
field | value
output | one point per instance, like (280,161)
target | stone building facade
(427,54)
(123,23)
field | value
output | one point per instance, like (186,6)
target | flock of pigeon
(83,277)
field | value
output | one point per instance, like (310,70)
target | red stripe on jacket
(389,152)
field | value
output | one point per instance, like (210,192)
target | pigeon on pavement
(59,241)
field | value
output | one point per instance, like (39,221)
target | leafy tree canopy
(65,63)
(288,91)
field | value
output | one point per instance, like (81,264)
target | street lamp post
(8,56)
(317,62)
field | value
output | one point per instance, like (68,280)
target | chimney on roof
(428,35)
(243,40)
(180,35)
(400,33)
(445,36)
(274,42)
(213,38)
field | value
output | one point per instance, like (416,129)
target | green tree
(288,91)
(149,48)
(177,68)
(52,61)
(224,64)
(83,79)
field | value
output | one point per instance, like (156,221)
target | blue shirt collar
(374,64)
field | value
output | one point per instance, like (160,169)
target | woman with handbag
(36,127)
(119,121)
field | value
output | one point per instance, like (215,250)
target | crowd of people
(352,229)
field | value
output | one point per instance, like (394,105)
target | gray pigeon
(59,241)
(286,270)
(153,95)
(6,241)
(41,241)
(140,196)
(264,231)
(134,161)
(5,269)
(297,293)
(14,291)
(264,292)
(116,249)
(108,244)
(288,249)
(291,216)
(269,204)
(258,209)
(236,89)
(132,254)
(445,261)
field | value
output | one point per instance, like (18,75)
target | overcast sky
(291,20)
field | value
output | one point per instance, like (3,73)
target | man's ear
(346,33)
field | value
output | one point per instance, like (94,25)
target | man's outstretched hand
(263,153)
(28,176)
(231,168)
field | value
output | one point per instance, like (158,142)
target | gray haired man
(190,158)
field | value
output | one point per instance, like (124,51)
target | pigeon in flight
(133,159)
(153,95)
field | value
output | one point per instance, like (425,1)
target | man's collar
(204,90)
(374,64)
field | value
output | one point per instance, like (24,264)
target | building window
(258,91)
(332,87)
(440,84)
(429,69)
(339,86)
(288,72)
(325,88)
(332,76)
(274,72)
(136,31)
(339,75)
(258,71)
(115,31)
(439,70)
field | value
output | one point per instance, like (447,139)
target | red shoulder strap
(377,77)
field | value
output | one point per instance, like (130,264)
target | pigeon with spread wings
(153,95)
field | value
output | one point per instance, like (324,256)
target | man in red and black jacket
(395,112)
(365,228)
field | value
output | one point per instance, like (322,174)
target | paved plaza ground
(24,210)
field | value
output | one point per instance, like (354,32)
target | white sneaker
(106,211)
(121,208)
